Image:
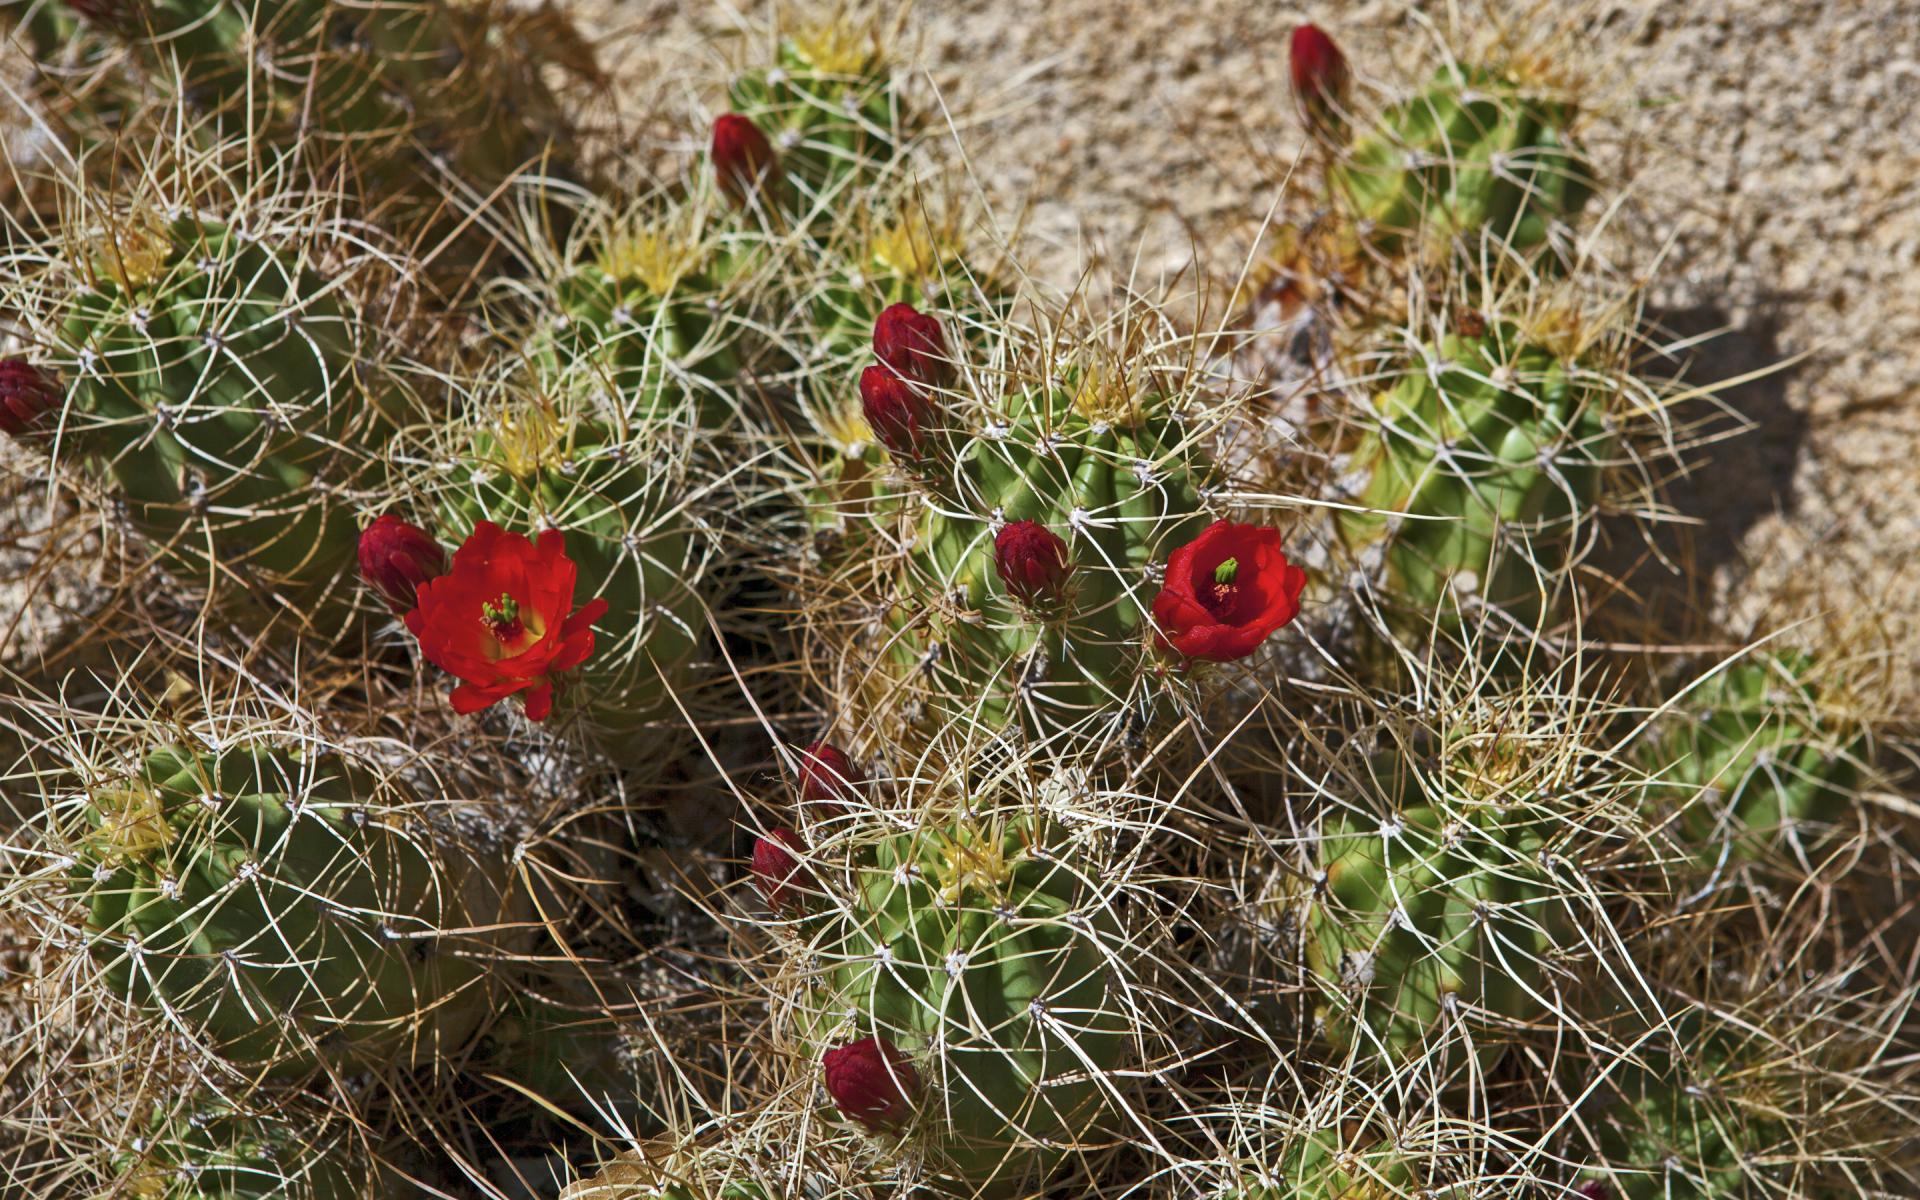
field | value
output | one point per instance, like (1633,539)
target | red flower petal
(539,701)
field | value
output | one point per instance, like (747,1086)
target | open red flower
(503,619)
(1226,590)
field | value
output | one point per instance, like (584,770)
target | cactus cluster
(970,992)
(715,678)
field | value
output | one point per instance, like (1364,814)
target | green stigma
(1224,573)
(502,616)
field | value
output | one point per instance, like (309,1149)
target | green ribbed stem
(836,128)
(1473,153)
(272,903)
(1479,481)
(220,386)
(1120,492)
(1431,922)
(1752,764)
(991,964)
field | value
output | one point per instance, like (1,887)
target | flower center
(1223,585)
(502,617)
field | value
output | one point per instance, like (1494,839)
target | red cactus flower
(1320,78)
(778,871)
(744,162)
(1594,1189)
(1032,563)
(828,776)
(396,558)
(503,620)
(26,395)
(1226,590)
(911,343)
(872,1082)
(902,415)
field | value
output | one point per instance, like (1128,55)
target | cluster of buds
(745,165)
(898,393)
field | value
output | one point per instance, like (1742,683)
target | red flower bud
(904,417)
(26,394)
(911,343)
(827,775)
(396,558)
(1032,563)
(1319,78)
(1226,590)
(744,162)
(778,872)
(872,1082)
(1594,1189)
(108,14)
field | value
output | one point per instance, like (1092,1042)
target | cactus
(1331,1165)
(1753,762)
(1108,472)
(273,903)
(977,952)
(218,1153)
(829,107)
(375,80)
(1481,468)
(622,511)
(1692,1124)
(223,388)
(661,323)
(1475,153)
(1437,915)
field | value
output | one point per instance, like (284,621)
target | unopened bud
(744,162)
(1032,563)
(396,558)
(872,1082)
(1320,79)
(778,871)
(911,343)
(828,776)
(901,414)
(27,395)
